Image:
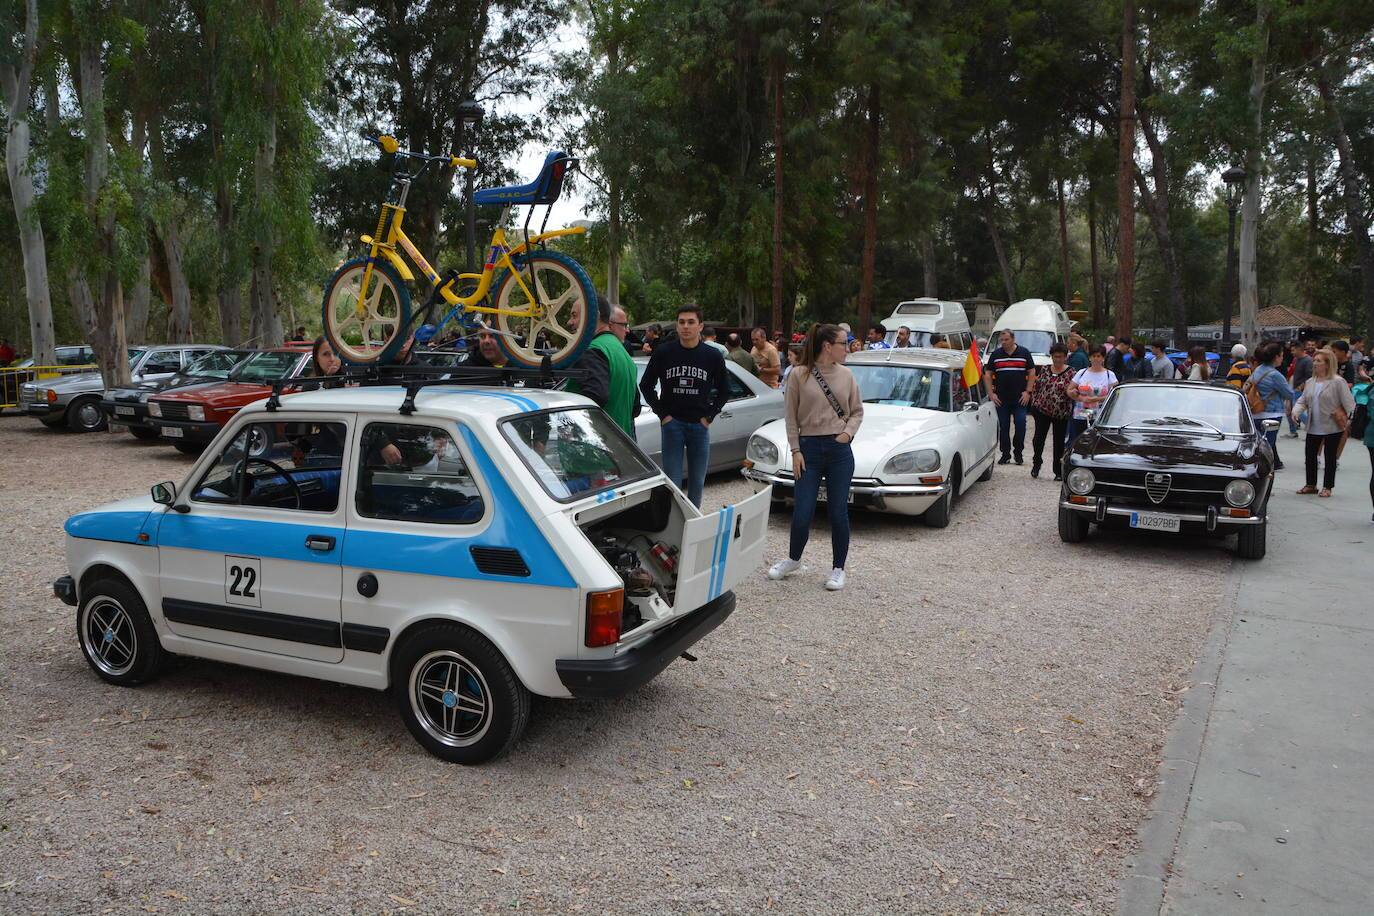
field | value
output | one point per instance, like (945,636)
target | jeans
(834,461)
(693,438)
(1273,437)
(1055,428)
(1329,445)
(1076,428)
(1005,414)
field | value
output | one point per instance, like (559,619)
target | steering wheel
(242,467)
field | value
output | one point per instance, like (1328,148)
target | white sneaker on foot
(784,567)
(836,580)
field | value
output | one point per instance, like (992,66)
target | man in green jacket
(612,378)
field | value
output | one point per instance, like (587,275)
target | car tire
(84,415)
(143,432)
(1073,526)
(117,635)
(189,448)
(438,669)
(1250,541)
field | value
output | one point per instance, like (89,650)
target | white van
(1037,323)
(927,316)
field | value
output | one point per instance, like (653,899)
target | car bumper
(65,588)
(598,678)
(912,499)
(1100,508)
(40,409)
(137,417)
(191,430)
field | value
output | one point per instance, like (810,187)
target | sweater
(694,382)
(808,410)
(1319,401)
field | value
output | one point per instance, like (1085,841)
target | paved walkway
(1266,801)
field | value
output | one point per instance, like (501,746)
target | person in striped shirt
(1011,373)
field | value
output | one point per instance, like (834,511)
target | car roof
(1031,315)
(451,401)
(925,357)
(187,346)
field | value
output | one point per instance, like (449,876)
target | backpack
(1252,396)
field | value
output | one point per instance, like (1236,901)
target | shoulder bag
(829,395)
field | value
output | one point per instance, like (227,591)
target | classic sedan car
(128,406)
(751,404)
(75,399)
(1171,456)
(925,437)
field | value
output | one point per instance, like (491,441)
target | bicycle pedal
(425,333)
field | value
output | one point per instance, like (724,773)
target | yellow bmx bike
(538,303)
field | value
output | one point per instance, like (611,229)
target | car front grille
(1157,486)
(1161,488)
(174,411)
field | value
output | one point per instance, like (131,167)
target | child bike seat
(543,190)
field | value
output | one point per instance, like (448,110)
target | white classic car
(925,437)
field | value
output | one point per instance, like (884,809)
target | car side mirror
(969,405)
(1269,426)
(164,494)
(1090,416)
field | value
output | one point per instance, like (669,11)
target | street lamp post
(1234,178)
(469,116)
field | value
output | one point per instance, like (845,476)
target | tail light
(605,611)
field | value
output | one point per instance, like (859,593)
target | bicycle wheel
(568,322)
(375,336)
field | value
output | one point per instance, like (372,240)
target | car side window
(738,389)
(962,393)
(410,473)
(162,361)
(280,465)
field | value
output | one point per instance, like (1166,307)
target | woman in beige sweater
(1328,403)
(824,410)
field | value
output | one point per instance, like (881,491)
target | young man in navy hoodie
(686,385)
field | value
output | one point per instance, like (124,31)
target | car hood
(73,384)
(121,521)
(885,427)
(1182,452)
(218,394)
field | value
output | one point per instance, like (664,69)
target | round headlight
(921,461)
(1081,481)
(1240,492)
(154,409)
(762,451)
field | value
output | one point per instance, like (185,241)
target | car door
(976,419)
(731,428)
(251,554)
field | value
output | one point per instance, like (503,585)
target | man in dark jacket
(694,387)
(610,369)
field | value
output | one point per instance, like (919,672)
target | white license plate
(172,432)
(822,497)
(1151,522)
(124,411)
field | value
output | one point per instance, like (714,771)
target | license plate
(172,432)
(1151,522)
(822,497)
(124,411)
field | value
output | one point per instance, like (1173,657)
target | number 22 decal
(243,581)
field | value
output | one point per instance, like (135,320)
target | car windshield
(133,356)
(1034,341)
(1187,408)
(903,386)
(575,452)
(216,364)
(267,366)
(917,338)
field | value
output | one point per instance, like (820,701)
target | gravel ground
(968,727)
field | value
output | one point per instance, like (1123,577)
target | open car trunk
(672,558)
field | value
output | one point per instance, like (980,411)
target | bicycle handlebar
(388,144)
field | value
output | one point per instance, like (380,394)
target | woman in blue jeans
(823,411)
(1273,388)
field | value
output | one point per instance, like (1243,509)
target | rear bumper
(610,677)
(191,430)
(65,588)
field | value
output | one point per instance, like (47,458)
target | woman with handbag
(1272,388)
(1050,405)
(823,411)
(1328,403)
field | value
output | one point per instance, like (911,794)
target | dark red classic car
(190,417)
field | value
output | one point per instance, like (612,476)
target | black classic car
(128,406)
(1171,456)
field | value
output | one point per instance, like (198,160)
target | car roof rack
(415,378)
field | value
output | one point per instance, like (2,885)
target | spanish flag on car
(973,365)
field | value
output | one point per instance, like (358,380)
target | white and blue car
(465,549)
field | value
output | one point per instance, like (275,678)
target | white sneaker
(784,567)
(836,580)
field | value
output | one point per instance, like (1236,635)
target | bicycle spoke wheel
(565,314)
(371,333)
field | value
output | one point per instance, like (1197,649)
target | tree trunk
(17,85)
(1309,267)
(83,303)
(179,309)
(870,193)
(108,340)
(1250,204)
(266,324)
(613,242)
(1064,244)
(136,319)
(778,76)
(929,276)
(1125,177)
(1157,206)
(1354,203)
(1099,313)
(989,202)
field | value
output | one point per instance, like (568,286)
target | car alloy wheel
(450,698)
(108,636)
(85,416)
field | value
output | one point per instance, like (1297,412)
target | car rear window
(575,452)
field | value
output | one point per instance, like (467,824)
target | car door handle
(319,542)
(725,415)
